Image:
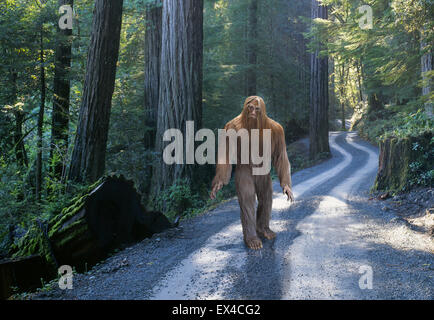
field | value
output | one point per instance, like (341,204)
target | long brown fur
(249,185)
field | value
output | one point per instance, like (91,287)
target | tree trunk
(20,150)
(342,88)
(252,38)
(246,54)
(426,65)
(180,97)
(359,80)
(396,157)
(88,158)
(319,104)
(374,103)
(154,13)
(40,123)
(60,114)
(333,88)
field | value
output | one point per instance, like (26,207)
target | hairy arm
(223,168)
(280,159)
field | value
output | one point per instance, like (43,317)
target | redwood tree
(154,13)
(88,157)
(252,47)
(180,95)
(61,88)
(38,180)
(319,96)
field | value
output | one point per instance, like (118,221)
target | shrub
(178,200)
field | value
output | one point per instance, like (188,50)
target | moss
(58,221)
(35,242)
(72,236)
(74,206)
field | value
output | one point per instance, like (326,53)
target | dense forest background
(53,86)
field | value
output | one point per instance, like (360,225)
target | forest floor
(326,240)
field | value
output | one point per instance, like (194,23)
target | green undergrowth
(394,121)
(185,200)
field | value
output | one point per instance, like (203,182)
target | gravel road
(329,241)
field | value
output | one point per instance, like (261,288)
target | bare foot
(267,233)
(254,243)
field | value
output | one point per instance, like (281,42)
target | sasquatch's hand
(215,189)
(287,190)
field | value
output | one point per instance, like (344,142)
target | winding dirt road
(330,243)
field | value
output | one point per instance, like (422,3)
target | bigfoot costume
(248,185)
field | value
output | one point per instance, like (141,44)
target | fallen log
(108,215)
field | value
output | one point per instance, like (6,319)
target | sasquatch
(248,185)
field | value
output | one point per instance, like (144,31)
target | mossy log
(109,214)
(396,155)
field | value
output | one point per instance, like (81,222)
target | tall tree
(20,150)
(180,97)
(319,95)
(426,62)
(252,47)
(38,183)
(154,13)
(88,157)
(61,88)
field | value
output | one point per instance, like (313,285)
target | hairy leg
(245,186)
(264,191)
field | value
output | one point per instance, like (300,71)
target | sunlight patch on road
(200,275)
(280,201)
(324,269)
(204,275)
(401,237)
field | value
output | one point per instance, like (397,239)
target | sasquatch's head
(254,114)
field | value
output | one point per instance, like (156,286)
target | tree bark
(20,150)
(426,65)
(374,103)
(180,96)
(252,47)
(60,114)
(396,155)
(319,96)
(154,14)
(343,77)
(40,122)
(359,80)
(88,158)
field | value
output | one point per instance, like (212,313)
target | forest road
(332,243)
